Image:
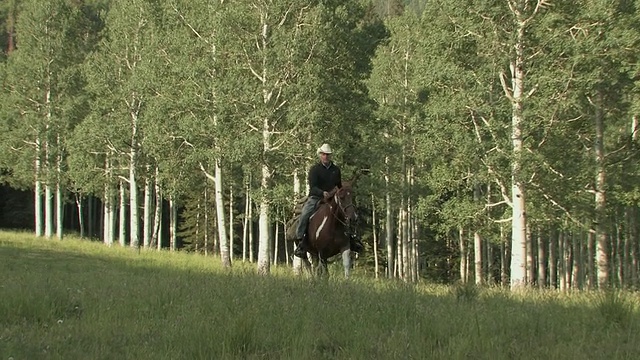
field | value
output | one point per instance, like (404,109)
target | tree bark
(134,240)
(542,260)
(123,215)
(633,238)
(389,227)
(577,273)
(264,240)
(108,215)
(173,224)
(37,193)
(222,228)
(477,244)
(59,204)
(146,229)
(553,260)
(591,251)
(562,273)
(297,262)
(156,241)
(374,232)
(463,255)
(600,198)
(245,227)
(406,263)
(230,241)
(399,243)
(516,96)
(80,215)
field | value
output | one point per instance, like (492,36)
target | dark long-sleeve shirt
(323,178)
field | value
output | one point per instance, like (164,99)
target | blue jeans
(305,214)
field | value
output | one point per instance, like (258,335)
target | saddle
(292,224)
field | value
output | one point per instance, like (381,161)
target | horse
(328,230)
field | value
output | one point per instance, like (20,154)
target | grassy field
(81,300)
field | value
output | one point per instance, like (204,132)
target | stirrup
(357,246)
(300,251)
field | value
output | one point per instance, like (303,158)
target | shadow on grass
(78,303)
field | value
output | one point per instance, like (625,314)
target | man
(324,176)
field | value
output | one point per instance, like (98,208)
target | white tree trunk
(173,224)
(553,260)
(264,240)
(463,255)
(80,215)
(146,227)
(416,254)
(231,220)
(399,243)
(297,262)
(122,226)
(518,220)
(59,204)
(276,234)
(37,193)
(477,255)
(404,225)
(245,226)
(157,218)
(205,236)
(222,228)
(389,234)
(48,197)
(48,212)
(159,206)
(600,199)
(562,280)
(477,244)
(106,217)
(134,240)
(374,231)
(107,213)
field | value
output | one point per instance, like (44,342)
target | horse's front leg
(307,265)
(315,262)
(346,262)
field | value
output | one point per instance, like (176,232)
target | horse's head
(344,201)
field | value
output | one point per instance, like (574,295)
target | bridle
(343,210)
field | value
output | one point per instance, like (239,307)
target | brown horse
(328,230)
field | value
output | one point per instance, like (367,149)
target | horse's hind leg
(346,262)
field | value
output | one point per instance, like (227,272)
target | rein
(342,209)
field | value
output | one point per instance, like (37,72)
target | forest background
(501,136)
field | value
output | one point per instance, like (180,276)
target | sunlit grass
(76,299)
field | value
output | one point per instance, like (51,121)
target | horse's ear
(358,173)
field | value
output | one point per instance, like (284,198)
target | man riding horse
(324,180)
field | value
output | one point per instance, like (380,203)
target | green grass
(75,299)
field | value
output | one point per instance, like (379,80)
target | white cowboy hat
(324,149)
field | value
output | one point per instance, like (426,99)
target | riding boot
(301,250)
(356,244)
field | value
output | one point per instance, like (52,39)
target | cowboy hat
(324,149)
